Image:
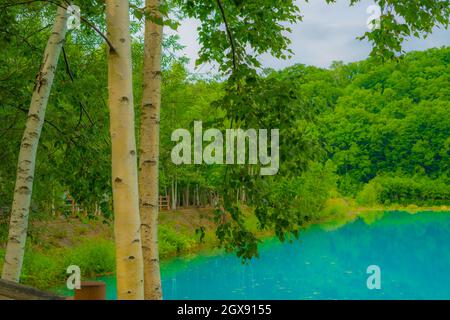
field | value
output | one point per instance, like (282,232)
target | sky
(327,33)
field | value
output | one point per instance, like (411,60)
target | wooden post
(91,290)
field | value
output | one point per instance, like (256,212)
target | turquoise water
(329,262)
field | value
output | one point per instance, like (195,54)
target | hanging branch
(24,39)
(233,52)
(37,31)
(64,134)
(230,35)
(111,47)
(69,71)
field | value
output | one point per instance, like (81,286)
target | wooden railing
(164,202)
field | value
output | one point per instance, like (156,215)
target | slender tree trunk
(149,152)
(197,197)
(27,156)
(186,196)
(130,280)
(176,193)
(173,197)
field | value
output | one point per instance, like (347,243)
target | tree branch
(87,22)
(230,35)
(53,126)
(69,71)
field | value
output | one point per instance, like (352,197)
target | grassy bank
(56,243)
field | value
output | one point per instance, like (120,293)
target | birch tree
(27,155)
(127,223)
(149,149)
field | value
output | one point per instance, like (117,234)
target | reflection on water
(329,262)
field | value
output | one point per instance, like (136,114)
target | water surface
(329,262)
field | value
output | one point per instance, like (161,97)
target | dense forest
(378,132)
(95,141)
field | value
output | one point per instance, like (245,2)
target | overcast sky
(327,33)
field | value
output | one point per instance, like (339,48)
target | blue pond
(328,262)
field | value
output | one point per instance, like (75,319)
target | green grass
(46,267)
(95,257)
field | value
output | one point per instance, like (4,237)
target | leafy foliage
(383,126)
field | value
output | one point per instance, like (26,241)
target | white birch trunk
(149,152)
(28,149)
(127,224)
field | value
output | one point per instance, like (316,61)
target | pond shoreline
(58,243)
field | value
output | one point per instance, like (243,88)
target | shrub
(335,208)
(403,190)
(94,257)
(171,242)
(370,194)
